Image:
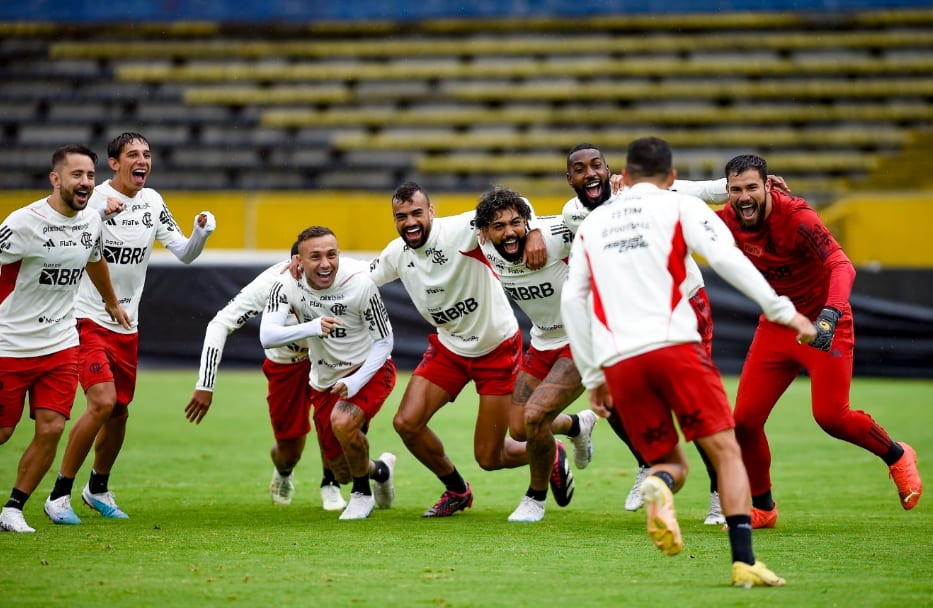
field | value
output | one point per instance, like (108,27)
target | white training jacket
(626,289)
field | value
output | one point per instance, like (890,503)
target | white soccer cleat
(281,488)
(332,499)
(715,516)
(359,507)
(103,503)
(528,510)
(384,492)
(60,511)
(633,501)
(12,520)
(583,443)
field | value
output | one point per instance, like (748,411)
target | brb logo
(532,292)
(458,310)
(125,255)
(60,276)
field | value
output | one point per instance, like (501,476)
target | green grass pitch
(203,531)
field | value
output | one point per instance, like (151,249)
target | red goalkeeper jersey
(797,254)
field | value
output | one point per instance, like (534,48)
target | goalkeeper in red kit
(786,241)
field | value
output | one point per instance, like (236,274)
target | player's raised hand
(778,183)
(616,183)
(206,221)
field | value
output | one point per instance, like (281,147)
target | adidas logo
(49,244)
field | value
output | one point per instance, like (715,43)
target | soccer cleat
(714,516)
(662,520)
(331,498)
(60,511)
(103,503)
(12,520)
(757,575)
(359,507)
(528,510)
(561,477)
(907,478)
(633,500)
(583,443)
(281,488)
(764,519)
(384,492)
(450,503)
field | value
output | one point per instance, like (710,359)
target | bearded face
(748,197)
(588,175)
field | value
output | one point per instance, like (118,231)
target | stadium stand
(830,99)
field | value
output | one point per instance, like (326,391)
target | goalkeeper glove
(825,328)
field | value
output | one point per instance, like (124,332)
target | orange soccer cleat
(907,478)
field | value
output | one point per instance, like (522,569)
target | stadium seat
(830,99)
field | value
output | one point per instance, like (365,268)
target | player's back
(637,255)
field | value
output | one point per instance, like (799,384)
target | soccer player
(453,287)
(547,380)
(344,321)
(589,175)
(286,369)
(785,240)
(636,342)
(45,249)
(108,354)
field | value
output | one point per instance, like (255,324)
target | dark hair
(648,157)
(583,146)
(295,248)
(496,200)
(744,162)
(407,191)
(122,140)
(58,157)
(312,232)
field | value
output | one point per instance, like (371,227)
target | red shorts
(538,363)
(493,373)
(50,381)
(108,356)
(369,399)
(288,398)
(700,304)
(681,379)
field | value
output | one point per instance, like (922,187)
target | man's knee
(49,428)
(537,421)
(405,426)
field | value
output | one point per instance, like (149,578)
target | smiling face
(749,198)
(73,181)
(413,219)
(131,167)
(319,258)
(507,232)
(588,175)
